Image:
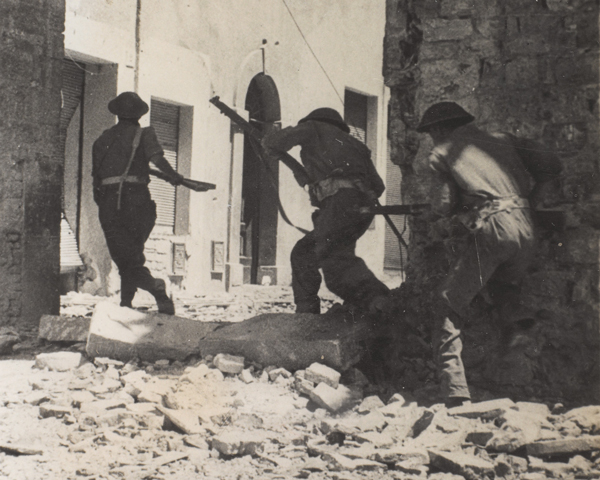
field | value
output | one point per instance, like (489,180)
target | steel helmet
(327,115)
(442,112)
(128,105)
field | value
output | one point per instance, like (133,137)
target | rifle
(297,169)
(409,209)
(195,185)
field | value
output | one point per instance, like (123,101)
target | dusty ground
(169,420)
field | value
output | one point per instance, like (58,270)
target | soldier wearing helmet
(486,186)
(120,171)
(343,179)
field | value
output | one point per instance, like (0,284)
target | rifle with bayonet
(195,185)
(297,169)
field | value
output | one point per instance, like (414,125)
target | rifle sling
(271,176)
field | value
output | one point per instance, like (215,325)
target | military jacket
(327,151)
(111,151)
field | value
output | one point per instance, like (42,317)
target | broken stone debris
(319,373)
(229,363)
(361,435)
(58,361)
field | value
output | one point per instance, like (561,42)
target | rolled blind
(164,118)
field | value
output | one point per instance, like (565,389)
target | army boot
(163,301)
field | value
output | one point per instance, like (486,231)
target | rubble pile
(234,306)
(224,417)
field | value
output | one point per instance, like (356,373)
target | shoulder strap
(135,145)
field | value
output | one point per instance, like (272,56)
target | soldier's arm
(545,167)
(444,194)
(98,152)
(288,138)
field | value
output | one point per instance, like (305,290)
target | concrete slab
(292,341)
(62,328)
(123,334)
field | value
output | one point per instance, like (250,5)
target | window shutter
(164,118)
(71,92)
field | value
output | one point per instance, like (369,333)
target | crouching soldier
(486,187)
(121,157)
(342,180)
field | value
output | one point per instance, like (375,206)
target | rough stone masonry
(530,68)
(31,52)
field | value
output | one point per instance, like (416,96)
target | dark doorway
(260,185)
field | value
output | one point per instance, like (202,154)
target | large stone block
(61,328)
(469,466)
(122,333)
(292,341)
(566,446)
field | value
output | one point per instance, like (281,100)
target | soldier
(121,157)
(343,179)
(486,189)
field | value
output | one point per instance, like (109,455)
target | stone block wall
(530,68)
(31,51)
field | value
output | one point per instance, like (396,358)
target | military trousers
(126,230)
(498,256)
(331,246)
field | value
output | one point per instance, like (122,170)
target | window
(173,126)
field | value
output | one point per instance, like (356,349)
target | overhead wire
(312,51)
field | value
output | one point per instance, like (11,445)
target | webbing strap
(136,143)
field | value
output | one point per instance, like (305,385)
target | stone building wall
(531,68)
(31,50)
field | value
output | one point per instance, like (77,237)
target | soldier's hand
(177,179)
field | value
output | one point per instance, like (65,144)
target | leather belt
(127,179)
(331,185)
(474,218)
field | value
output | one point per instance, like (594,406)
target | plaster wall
(190,51)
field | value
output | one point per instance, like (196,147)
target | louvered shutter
(394,252)
(71,92)
(164,117)
(359,133)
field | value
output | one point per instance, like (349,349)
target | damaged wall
(530,68)
(31,50)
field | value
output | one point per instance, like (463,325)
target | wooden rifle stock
(297,169)
(195,185)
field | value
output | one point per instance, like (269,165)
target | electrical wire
(312,51)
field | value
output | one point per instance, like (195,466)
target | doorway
(260,185)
